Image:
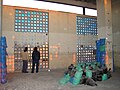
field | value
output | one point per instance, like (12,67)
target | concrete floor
(45,80)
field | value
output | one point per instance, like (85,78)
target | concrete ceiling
(88,1)
(83,3)
(61,1)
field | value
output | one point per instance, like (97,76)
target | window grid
(86,26)
(31,21)
(44,57)
(85,53)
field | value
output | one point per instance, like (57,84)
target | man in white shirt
(25,58)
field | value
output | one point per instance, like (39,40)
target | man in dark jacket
(35,59)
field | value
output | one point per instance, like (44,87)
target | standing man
(35,59)
(25,58)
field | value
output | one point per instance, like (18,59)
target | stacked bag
(3,66)
(65,79)
(100,52)
(85,73)
(77,77)
(93,71)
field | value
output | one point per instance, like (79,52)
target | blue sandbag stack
(3,66)
(100,52)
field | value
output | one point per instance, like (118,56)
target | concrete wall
(116,31)
(104,23)
(8,27)
(62,33)
(62,36)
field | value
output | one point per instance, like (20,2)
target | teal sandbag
(88,73)
(87,67)
(78,68)
(104,77)
(63,81)
(94,67)
(67,77)
(98,63)
(76,81)
(78,74)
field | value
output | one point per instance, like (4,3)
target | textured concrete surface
(45,80)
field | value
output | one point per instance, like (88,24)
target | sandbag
(78,74)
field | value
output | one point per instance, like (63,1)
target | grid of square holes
(86,26)
(85,53)
(31,21)
(44,57)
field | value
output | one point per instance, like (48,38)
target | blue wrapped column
(100,52)
(3,66)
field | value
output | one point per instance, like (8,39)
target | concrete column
(104,23)
(0,18)
(116,32)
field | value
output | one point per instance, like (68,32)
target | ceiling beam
(80,3)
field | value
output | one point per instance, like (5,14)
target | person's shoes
(36,72)
(23,71)
(32,72)
(26,72)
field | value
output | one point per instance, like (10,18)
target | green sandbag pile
(78,75)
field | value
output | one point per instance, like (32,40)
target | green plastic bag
(104,77)
(78,74)
(76,81)
(88,73)
(64,80)
(67,77)
(87,67)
